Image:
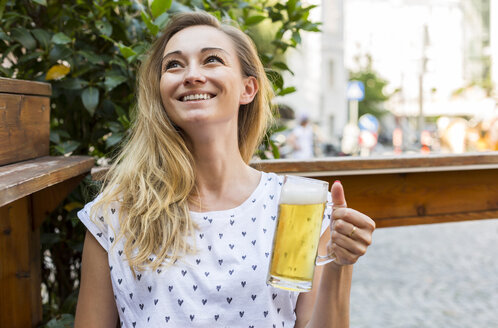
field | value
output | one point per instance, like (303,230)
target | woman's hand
(351,231)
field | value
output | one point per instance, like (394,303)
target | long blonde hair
(153,175)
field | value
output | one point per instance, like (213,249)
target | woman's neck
(223,179)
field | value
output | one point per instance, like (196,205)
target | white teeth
(197,96)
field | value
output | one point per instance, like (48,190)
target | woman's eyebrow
(179,52)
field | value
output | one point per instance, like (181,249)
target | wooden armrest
(27,177)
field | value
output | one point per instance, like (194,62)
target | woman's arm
(96,305)
(327,304)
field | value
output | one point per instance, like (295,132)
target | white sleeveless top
(223,285)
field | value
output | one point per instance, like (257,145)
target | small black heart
(241,313)
(204,301)
(184,272)
(209,247)
(265,313)
(149,288)
(141,306)
(194,287)
(274,296)
(101,218)
(231,271)
(139,276)
(218,287)
(120,281)
(134,324)
(170,288)
(232,222)
(167,319)
(254,267)
(131,296)
(266,254)
(220,261)
(159,271)
(231,246)
(120,253)
(254,200)
(198,261)
(243,283)
(111,239)
(253,297)
(99,234)
(273,217)
(253,242)
(210,220)
(201,235)
(271,196)
(122,309)
(264,205)
(221,235)
(264,230)
(192,317)
(216,316)
(206,274)
(155,301)
(113,210)
(278,310)
(243,233)
(180,302)
(205,218)
(244,257)
(229,300)
(253,219)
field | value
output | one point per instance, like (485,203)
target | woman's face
(201,79)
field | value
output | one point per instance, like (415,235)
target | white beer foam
(303,193)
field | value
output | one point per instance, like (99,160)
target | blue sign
(355,90)
(369,122)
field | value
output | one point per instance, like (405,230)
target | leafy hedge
(89,51)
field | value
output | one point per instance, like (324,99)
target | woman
(181,232)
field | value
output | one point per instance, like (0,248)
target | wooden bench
(32,184)
(404,190)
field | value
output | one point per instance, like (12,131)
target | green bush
(89,51)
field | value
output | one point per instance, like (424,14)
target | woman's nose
(194,75)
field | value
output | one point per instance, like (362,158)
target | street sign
(355,90)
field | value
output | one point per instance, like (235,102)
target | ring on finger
(352,232)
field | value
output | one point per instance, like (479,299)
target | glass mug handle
(324,259)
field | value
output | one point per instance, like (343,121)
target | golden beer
(297,233)
(295,244)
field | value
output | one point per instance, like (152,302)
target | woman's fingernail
(339,181)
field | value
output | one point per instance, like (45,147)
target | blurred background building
(439,61)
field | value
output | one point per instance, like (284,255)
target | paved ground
(443,275)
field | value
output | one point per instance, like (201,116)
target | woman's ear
(249,91)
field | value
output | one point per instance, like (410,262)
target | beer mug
(297,233)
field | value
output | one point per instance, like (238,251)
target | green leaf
(4,36)
(126,51)
(60,38)
(296,37)
(91,57)
(40,2)
(59,52)
(42,36)
(104,27)
(73,84)
(282,66)
(90,99)
(23,36)
(161,21)
(63,321)
(113,80)
(68,146)
(113,139)
(286,91)
(254,20)
(157,7)
(153,29)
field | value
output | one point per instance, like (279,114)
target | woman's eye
(214,59)
(171,64)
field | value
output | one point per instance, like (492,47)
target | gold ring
(352,232)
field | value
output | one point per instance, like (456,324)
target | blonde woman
(181,231)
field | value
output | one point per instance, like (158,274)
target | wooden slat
(381,163)
(24,127)
(25,87)
(16,308)
(22,179)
